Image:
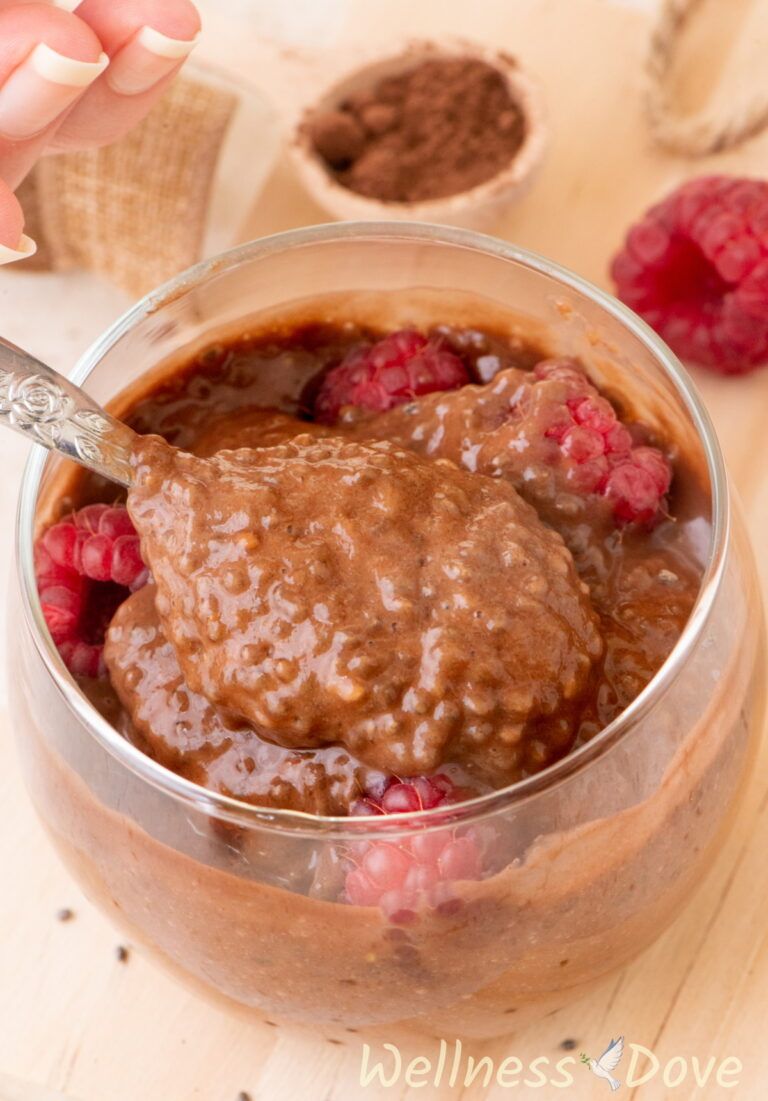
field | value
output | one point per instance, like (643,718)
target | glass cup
(590,859)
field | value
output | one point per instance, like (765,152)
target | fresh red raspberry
(401,876)
(99,542)
(407,796)
(62,605)
(696,268)
(598,452)
(396,369)
(83,659)
(85,566)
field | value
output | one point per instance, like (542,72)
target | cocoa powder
(437,129)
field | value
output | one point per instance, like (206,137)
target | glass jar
(591,858)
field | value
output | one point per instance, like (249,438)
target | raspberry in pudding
(387,372)
(548,432)
(86,565)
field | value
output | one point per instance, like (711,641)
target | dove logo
(607,1063)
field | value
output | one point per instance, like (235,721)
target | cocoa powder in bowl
(440,128)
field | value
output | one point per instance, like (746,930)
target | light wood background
(76,1022)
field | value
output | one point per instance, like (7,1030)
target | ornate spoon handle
(36,400)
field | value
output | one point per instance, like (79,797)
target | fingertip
(11,218)
(116,23)
(177,19)
(22,27)
(14,245)
(147,42)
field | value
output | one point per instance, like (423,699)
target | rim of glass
(481,806)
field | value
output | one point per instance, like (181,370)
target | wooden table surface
(77,1022)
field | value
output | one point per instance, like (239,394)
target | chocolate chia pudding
(366,573)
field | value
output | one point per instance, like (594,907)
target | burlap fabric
(134,211)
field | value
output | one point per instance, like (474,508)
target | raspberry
(83,659)
(696,269)
(599,452)
(127,564)
(400,876)
(62,605)
(396,369)
(404,796)
(85,566)
(98,542)
(460,859)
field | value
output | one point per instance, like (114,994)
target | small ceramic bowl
(478,207)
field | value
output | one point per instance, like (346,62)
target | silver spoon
(43,405)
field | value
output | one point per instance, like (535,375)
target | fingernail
(146,59)
(67,5)
(26,248)
(43,86)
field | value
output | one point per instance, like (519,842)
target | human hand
(77,76)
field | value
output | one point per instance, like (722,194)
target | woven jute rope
(705,133)
(134,211)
